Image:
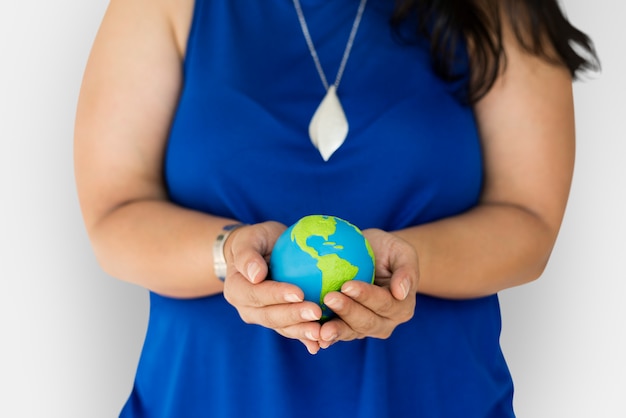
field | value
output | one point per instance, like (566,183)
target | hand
(366,310)
(274,305)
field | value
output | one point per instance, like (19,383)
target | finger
(398,268)
(251,245)
(358,318)
(325,344)
(405,271)
(374,298)
(249,261)
(306,331)
(381,301)
(403,282)
(240,292)
(282,316)
(312,347)
(335,330)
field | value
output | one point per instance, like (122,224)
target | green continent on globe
(335,270)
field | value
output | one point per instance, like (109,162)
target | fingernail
(405,287)
(309,336)
(326,344)
(350,291)
(311,351)
(253,270)
(292,297)
(309,315)
(334,302)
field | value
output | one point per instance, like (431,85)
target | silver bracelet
(219,261)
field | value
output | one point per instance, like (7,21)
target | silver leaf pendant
(329,126)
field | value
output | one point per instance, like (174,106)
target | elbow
(102,252)
(542,262)
(107,246)
(540,255)
(536,271)
(530,258)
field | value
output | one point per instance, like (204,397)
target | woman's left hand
(365,310)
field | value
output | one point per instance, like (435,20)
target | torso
(239,147)
(256,105)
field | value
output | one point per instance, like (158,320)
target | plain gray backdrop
(71,336)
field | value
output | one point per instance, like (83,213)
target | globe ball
(319,253)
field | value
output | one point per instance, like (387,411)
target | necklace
(329,126)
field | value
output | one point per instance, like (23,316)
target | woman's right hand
(276,305)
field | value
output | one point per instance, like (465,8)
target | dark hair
(540,27)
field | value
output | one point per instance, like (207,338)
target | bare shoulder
(526,123)
(172,17)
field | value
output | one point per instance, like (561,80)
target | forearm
(160,246)
(483,251)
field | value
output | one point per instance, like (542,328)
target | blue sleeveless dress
(239,148)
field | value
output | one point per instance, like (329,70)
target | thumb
(250,246)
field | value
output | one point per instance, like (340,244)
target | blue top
(239,148)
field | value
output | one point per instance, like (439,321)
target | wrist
(219,257)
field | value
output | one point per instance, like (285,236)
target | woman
(449,138)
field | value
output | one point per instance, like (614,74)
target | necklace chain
(346,52)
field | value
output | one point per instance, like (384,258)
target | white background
(70,336)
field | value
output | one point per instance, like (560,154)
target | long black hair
(540,27)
